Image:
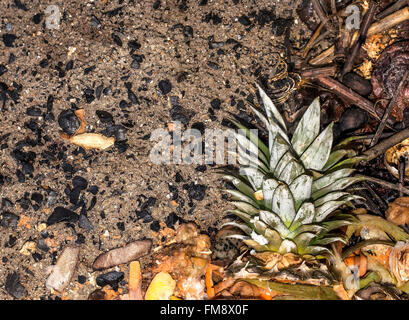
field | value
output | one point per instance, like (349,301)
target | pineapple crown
(288,195)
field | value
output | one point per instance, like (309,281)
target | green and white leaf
(301,189)
(316,155)
(283,204)
(308,128)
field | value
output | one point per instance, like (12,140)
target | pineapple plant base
(288,195)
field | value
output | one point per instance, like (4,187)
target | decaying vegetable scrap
(130,252)
(62,272)
(161,287)
(185,258)
(88,140)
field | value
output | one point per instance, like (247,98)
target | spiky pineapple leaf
(245,228)
(330,178)
(305,215)
(330,196)
(237,195)
(287,246)
(335,224)
(249,159)
(271,109)
(316,155)
(338,185)
(323,211)
(328,239)
(301,189)
(277,150)
(254,175)
(283,204)
(240,214)
(246,207)
(273,237)
(269,186)
(307,129)
(291,171)
(346,163)
(274,221)
(254,138)
(247,146)
(336,156)
(313,227)
(285,159)
(304,239)
(272,127)
(240,185)
(255,245)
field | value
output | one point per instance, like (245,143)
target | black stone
(75,195)
(82,279)
(112,278)
(89,95)
(98,91)
(165,86)
(196,191)
(244,20)
(93,189)
(171,219)
(37,18)
(80,182)
(215,103)
(123,104)
(353,118)
(154,226)
(37,197)
(117,40)
(14,287)
(68,122)
(3,69)
(61,214)
(33,111)
(69,66)
(104,116)
(178,113)
(9,220)
(8,39)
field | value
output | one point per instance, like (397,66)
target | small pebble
(61,214)
(14,287)
(68,122)
(111,278)
(165,86)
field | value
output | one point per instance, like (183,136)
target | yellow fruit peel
(161,287)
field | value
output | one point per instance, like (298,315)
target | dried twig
(396,6)
(319,10)
(366,22)
(349,95)
(402,167)
(386,23)
(388,110)
(384,145)
(386,184)
(318,72)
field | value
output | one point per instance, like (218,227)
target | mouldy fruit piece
(398,211)
(92,141)
(399,262)
(130,252)
(62,272)
(393,155)
(161,287)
